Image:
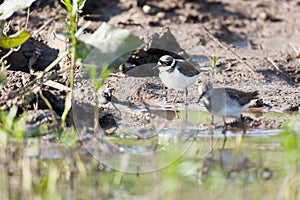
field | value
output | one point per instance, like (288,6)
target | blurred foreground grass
(24,174)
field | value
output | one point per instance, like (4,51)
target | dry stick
(280,71)
(42,27)
(274,64)
(229,49)
(27,17)
(295,49)
(38,77)
(57,85)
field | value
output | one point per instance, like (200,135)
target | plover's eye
(165,63)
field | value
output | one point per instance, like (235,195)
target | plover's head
(166,61)
(203,88)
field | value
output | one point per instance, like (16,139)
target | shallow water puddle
(195,118)
(175,132)
(251,168)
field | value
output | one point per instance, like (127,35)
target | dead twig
(274,65)
(42,27)
(288,78)
(57,86)
(296,50)
(27,17)
(226,47)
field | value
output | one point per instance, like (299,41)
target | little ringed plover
(226,102)
(177,74)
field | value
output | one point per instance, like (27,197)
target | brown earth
(263,34)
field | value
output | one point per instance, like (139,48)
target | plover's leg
(224,133)
(225,139)
(211,125)
(243,124)
(176,113)
(186,96)
(185,113)
(174,100)
(225,124)
(212,120)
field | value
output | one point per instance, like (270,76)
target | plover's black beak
(200,97)
(156,67)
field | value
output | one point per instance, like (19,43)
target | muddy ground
(264,36)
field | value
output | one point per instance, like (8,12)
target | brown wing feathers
(242,97)
(187,68)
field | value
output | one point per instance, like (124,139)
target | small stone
(160,15)
(263,16)
(148,10)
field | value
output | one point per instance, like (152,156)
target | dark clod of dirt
(107,121)
(260,103)
(27,57)
(295,108)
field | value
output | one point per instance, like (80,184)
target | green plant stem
(52,111)
(73,29)
(2,23)
(73,51)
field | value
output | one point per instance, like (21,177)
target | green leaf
(91,71)
(291,137)
(68,5)
(82,49)
(109,39)
(112,47)
(109,44)
(10,117)
(69,138)
(81,4)
(41,130)
(3,80)
(8,7)
(105,74)
(19,128)
(14,40)
(3,138)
